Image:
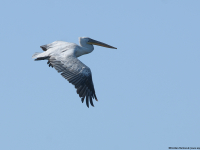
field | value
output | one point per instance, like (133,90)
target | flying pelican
(63,57)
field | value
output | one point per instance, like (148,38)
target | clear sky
(148,89)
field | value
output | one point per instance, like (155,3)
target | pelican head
(86,40)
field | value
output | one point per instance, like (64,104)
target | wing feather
(82,89)
(87,102)
(78,74)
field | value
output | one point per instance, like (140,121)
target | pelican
(63,57)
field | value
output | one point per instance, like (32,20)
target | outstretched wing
(78,74)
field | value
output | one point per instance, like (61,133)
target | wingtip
(82,99)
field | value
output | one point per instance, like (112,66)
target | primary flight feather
(63,57)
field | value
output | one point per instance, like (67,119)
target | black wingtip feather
(87,102)
(82,99)
(91,102)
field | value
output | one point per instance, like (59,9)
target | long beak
(94,42)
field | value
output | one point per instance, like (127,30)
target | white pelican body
(63,57)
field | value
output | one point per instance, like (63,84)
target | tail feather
(37,56)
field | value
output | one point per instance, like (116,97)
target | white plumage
(63,57)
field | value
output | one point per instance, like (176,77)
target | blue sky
(148,89)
